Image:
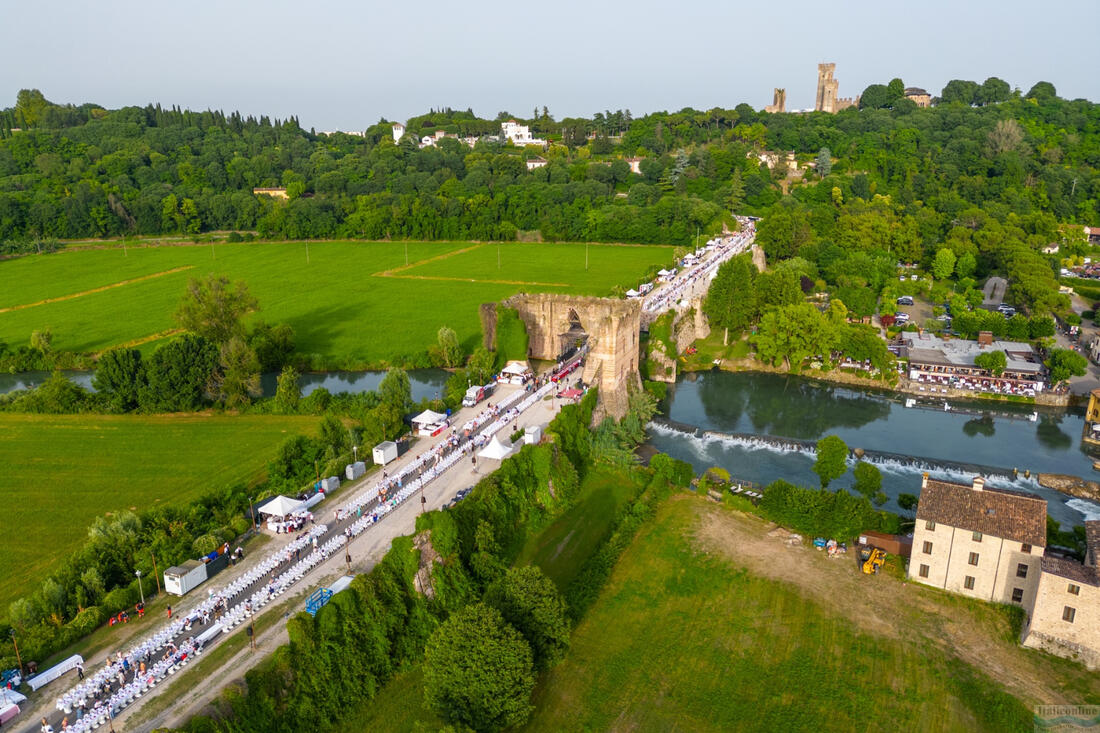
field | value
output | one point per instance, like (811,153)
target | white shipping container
(355,470)
(331,483)
(385,452)
(182,578)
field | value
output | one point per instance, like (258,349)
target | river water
(752,425)
(425,383)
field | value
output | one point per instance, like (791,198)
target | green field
(353,303)
(60,472)
(686,637)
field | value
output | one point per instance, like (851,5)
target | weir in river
(762,427)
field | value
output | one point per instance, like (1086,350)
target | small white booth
(355,470)
(385,452)
(183,578)
(632,293)
(429,423)
(532,435)
(515,372)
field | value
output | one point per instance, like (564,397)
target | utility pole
(17,657)
(498,255)
(212,255)
(406,253)
(307,252)
(586,256)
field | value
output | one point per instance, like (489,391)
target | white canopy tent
(632,293)
(280,506)
(496,450)
(428,418)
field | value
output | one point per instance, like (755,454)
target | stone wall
(612,326)
(1048,628)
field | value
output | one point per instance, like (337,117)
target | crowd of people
(99,697)
(698,273)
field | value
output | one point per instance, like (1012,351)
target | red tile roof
(1011,515)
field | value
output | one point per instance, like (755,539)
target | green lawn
(60,472)
(563,547)
(684,641)
(339,303)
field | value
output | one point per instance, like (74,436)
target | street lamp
(355,453)
(140,587)
(19,658)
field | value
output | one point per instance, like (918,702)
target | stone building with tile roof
(990,544)
(1065,618)
(981,542)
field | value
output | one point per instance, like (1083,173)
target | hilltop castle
(826,100)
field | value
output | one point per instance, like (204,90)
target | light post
(252,508)
(355,453)
(18,658)
(141,589)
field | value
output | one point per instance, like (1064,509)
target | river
(425,383)
(745,419)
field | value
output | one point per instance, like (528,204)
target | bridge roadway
(436,493)
(693,281)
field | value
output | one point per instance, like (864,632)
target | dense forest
(990,174)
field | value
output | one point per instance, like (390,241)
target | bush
(478,671)
(822,513)
(120,599)
(86,622)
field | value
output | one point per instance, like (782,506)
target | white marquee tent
(428,418)
(280,506)
(496,450)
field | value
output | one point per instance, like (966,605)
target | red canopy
(571,393)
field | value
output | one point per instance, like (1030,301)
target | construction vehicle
(871,559)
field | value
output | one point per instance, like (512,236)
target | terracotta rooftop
(1011,515)
(1070,570)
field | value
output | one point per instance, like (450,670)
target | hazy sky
(344,65)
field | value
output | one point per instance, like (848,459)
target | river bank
(901,385)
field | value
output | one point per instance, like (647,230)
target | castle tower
(779,102)
(825,100)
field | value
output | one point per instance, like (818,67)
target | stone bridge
(555,323)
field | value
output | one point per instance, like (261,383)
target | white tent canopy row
(280,506)
(496,450)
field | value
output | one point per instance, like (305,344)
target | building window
(969,582)
(1021,570)
(930,526)
(1025,548)
(924,571)
(977,536)
(1017,595)
(1074,589)
(973,558)
(1068,613)
(927,548)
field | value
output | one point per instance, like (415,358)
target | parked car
(905,300)
(901,318)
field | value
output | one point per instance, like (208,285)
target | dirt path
(882,604)
(445,255)
(112,286)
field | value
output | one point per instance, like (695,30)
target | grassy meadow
(687,637)
(352,304)
(61,471)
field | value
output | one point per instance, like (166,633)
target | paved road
(366,550)
(436,493)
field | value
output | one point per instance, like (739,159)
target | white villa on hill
(518,134)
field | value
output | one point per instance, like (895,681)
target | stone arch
(611,329)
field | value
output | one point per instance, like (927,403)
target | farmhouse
(983,543)
(990,544)
(536,162)
(1065,619)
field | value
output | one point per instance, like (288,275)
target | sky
(344,65)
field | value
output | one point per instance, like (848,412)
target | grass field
(708,624)
(352,303)
(562,548)
(60,472)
